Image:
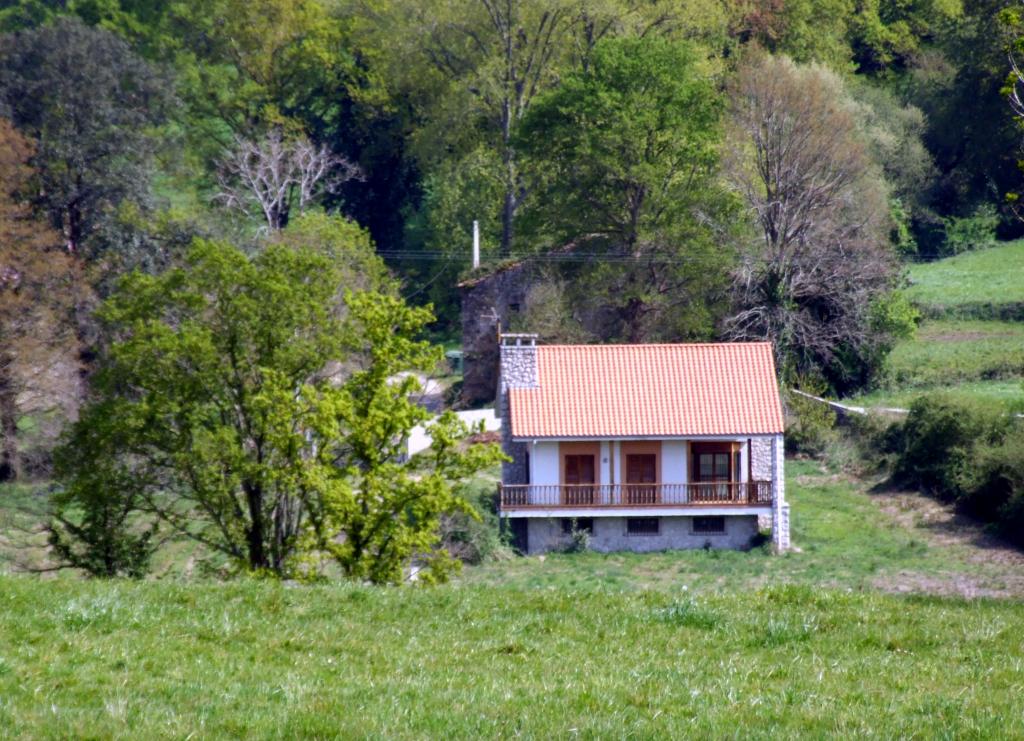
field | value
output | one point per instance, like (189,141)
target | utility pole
(476,244)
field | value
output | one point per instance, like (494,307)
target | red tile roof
(649,391)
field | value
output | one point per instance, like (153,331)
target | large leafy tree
(496,56)
(240,406)
(92,104)
(631,150)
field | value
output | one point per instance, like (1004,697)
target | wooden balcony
(549,496)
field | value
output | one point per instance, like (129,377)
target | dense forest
(674,171)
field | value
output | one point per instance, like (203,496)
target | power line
(438,256)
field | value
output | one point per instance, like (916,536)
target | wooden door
(579,479)
(641,478)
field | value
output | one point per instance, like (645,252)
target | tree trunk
(508,214)
(254,535)
(10,458)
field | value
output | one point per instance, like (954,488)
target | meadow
(971,338)
(989,276)
(860,632)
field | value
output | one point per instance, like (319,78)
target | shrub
(579,539)
(992,488)
(971,232)
(968,452)
(810,424)
(474,540)
(939,437)
(878,439)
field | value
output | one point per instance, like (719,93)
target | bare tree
(1017,83)
(38,287)
(277,175)
(822,258)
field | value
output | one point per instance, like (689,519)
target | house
(648,447)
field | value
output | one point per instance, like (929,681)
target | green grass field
(1009,392)
(944,352)
(987,276)
(686,644)
(981,358)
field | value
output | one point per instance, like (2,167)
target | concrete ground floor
(654,533)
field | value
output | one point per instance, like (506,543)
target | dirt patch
(1000,565)
(967,336)
(942,525)
(951,584)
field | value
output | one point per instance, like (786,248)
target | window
(709,525)
(642,525)
(641,469)
(715,462)
(713,467)
(583,524)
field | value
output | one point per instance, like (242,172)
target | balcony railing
(737,494)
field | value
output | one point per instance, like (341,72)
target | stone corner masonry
(518,370)
(780,507)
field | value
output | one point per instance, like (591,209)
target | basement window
(643,526)
(709,526)
(583,524)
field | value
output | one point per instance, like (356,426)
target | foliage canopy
(240,406)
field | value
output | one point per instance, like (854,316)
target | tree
(92,104)
(227,409)
(822,260)
(631,151)
(346,244)
(388,511)
(275,176)
(36,290)
(958,81)
(498,54)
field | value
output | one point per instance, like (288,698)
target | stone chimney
(518,361)
(518,370)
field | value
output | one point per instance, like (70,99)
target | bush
(878,439)
(810,425)
(579,539)
(474,540)
(939,438)
(993,487)
(967,452)
(971,232)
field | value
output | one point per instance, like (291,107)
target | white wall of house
(544,462)
(673,462)
(616,462)
(605,464)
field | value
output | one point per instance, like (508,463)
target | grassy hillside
(674,644)
(1008,393)
(987,276)
(968,350)
(972,337)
